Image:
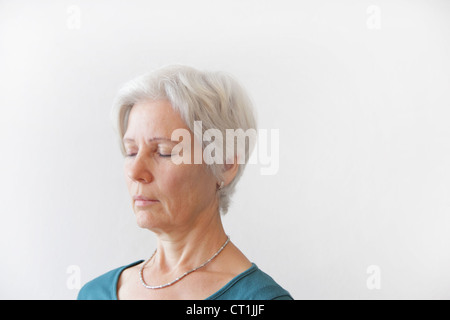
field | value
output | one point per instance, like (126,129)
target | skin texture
(184,216)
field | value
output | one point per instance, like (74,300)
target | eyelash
(161,155)
(165,155)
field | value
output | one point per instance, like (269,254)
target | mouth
(142,201)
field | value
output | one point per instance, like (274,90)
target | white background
(359,91)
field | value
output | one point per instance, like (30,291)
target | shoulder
(253,284)
(103,287)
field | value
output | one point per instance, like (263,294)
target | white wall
(359,91)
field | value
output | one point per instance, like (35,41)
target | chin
(147,220)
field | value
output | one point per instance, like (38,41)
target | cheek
(128,181)
(186,184)
(175,180)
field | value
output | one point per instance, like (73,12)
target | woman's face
(181,194)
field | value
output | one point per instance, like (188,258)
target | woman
(180,198)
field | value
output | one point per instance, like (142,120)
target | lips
(142,201)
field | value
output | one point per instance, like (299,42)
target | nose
(138,169)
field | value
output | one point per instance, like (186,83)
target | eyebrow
(149,140)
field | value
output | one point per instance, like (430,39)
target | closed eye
(165,155)
(160,154)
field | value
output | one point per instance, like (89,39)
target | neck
(187,249)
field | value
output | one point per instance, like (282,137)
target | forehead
(153,119)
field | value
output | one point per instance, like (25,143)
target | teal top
(252,284)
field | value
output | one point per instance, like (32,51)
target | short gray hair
(215,98)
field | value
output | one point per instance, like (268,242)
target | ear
(229,171)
